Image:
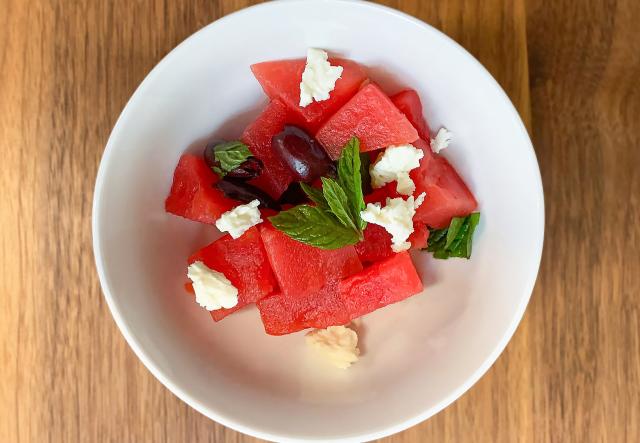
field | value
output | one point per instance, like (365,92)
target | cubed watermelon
(372,117)
(281,79)
(276,176)
(447,195)
(283,314)
(376,244)
(385,282)
(380,195)
(302,269)
(420,236)
(408,102)
(192,193)
(244,262)
(308,279)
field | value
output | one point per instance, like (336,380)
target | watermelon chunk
(192,193)
(244,262)
(447,195)
(420,236)
(408,102)
(302,269)
(308,279)
(281,79)
(282,314)
(276,176)
(372,117)
(376,244)
(380,195)
(385,282)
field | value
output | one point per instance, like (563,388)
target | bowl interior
(419,355)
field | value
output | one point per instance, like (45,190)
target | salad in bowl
(322,199)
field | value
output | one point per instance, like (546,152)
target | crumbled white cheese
(442,140)
(396,218)
(394,165)
(319,77)
(239,219)
(213,290)
(337,344)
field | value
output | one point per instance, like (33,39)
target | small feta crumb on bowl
(319,77)
(338,345)
(237,221)
(442,140)
(394,165)
(396,218)
(213,290)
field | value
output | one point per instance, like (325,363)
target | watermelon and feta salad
(320,200)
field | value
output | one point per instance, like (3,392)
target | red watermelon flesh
(308,279)
(385,282)
(276,176)
(420,236)
(302,269)
(408,102)
(447,195)
(372,117)
(281,79)
(192,193)
(380,195)
(244,262)
(282,314)
(376,244)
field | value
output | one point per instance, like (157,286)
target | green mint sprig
(335,220)
(350,179)
(230,155)
(455,240)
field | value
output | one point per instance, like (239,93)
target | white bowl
(421,354)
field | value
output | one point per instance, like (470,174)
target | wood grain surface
(572,370)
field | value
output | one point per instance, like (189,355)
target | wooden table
(572,370)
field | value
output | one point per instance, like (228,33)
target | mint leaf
(315,195)
(230,155)
(350,179)
(315,227)
(455,240)
(337,201)
(457,224)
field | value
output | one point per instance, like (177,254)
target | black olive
(238,189)
(250,168)
(301,153)
(294,195)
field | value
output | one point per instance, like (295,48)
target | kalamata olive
(238,189)
(250,168)
(294,195)
(301,153)
(332,171)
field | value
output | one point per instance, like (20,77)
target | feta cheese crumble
(239,219)
(213,290)
(319,77)
(396,218)
(442,140)
(394,165)
(338,345)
